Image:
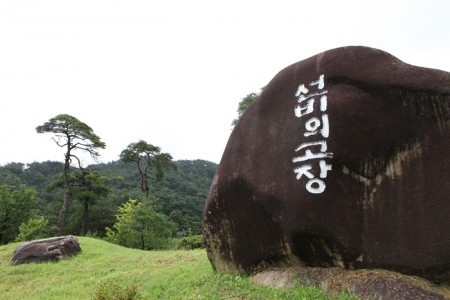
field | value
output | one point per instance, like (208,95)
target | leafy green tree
(71,134)
(148,157)
(35,228)
(139,226)
(88,187)
(242,106)
(16,205)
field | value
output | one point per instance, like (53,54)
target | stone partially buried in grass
(52,249)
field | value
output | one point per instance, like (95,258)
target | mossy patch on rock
(366,284)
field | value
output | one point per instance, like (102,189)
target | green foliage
(35,228)
(72,133)
(179,195)
(16,205)
(39,175)
(242,106)
(182,194)
(139,226)
(88,187)
(190,242)
(148,157)
(9,175)
(115,291)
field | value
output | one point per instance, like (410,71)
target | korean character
(303,92)
(313,124)
(309,154)
(314,185)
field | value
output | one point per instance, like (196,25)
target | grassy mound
(107,271)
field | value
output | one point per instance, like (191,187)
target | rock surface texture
(342,161)
(52,249)
(366,284)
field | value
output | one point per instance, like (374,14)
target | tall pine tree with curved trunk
(71,134)
(148,157)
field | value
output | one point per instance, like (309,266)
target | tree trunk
(62,214)
(146,188)
(3,228)
(84,219)
(63,211)
(66,197)
(142,242)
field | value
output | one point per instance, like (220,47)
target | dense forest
(34,192)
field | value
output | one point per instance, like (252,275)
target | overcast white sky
(173,72)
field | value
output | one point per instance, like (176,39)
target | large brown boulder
(342,161)
(52,249)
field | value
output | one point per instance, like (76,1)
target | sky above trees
(173,72)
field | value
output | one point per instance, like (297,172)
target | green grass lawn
(106,271)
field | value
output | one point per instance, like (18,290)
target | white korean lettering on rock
(314,158)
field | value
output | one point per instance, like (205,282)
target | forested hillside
(180,195)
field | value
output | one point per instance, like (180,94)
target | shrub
(138,225)
(190,242)
(115,291)
(36,228)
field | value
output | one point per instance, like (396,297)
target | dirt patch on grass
(366,284)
